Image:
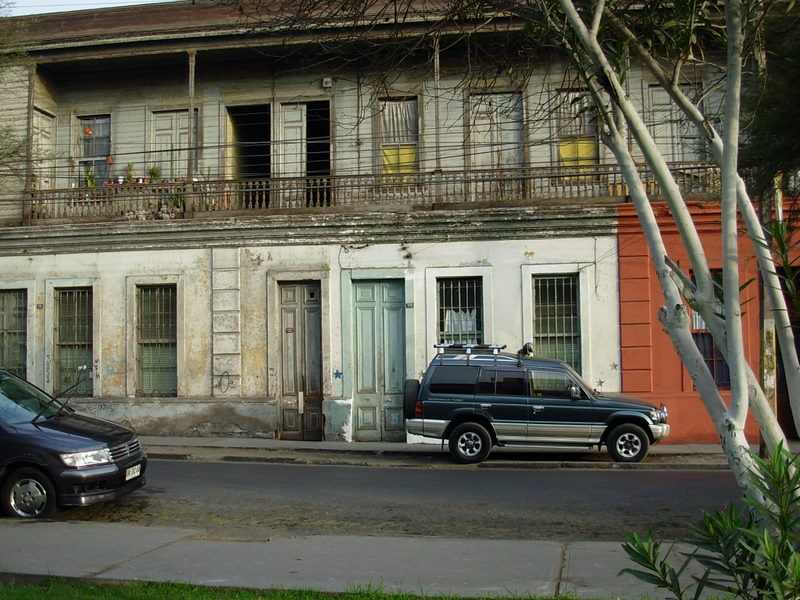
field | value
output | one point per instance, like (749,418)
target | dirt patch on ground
(245,520)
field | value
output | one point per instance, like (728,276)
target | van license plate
(132,472)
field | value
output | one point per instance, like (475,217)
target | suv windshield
(20,401)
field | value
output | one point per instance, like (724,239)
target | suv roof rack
(470,348)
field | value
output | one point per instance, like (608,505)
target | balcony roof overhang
(219,32)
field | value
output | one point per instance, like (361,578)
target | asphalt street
(333,563)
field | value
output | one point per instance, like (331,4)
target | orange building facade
(650,365)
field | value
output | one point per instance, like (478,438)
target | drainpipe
(436,117)
(27,208)
(191,135)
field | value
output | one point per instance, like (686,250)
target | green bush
(748,553)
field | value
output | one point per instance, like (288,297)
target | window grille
(556,318)
(713,358)
(14,331)
(156,335)
(73,340)
(716,363)
(460,310)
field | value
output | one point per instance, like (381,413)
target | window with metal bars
(156,339)
(73,340)
(716,363)
(460,310)
(556,318)
(14,331)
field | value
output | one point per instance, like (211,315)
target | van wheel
(628,443)
(28,494)
(410,394)
(470,443)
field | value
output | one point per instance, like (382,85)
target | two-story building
(246,232)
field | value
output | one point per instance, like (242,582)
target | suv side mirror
(574,391)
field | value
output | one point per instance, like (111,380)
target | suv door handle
(485,405)
(537,408)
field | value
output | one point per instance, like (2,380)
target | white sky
(31,7)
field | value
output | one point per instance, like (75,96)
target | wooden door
(301,361)
(379,357)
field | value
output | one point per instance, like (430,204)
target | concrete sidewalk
(109,552)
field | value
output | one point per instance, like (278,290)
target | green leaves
(747,553)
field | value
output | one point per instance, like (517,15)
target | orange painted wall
(650,366)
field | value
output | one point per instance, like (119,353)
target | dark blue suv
(52,456)
(476,397)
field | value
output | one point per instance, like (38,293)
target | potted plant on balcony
(91,178)
(155,173)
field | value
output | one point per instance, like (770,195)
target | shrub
(749,552)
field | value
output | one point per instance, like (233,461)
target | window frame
(90,152)
(432,301)
(399,170)
(87,387)
(471,292)
(576,317)
(132,345)
(21,370)
(577,132)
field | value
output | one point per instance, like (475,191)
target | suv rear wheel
(470,443)
(628,443)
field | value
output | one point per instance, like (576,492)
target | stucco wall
(248,401)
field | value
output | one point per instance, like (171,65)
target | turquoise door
(379,359)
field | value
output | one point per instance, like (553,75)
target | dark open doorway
(251,139)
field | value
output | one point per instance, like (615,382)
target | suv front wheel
(628,443)
(470,443)
(28,493)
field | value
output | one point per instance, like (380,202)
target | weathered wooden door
(379,357)
(301,361)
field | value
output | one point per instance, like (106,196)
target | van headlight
(88,458)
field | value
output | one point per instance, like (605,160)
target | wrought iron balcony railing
(360,192)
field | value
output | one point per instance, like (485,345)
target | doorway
(379,358)
(301,361)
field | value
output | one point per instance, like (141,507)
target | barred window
(73,339)
(156,338)
(556,318)
(712,356)
(460,310)
(14,331)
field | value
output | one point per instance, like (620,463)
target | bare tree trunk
(729,422)
(772,284)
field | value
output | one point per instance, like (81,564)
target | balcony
(396,192)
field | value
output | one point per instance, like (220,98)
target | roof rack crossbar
(468,348)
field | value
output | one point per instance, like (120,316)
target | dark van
(52,456)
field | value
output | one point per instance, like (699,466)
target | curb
(436,459)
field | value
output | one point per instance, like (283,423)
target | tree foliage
(770,148)
(13,146)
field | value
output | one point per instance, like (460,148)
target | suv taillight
(418,410)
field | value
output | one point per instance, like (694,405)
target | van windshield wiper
(67,393)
